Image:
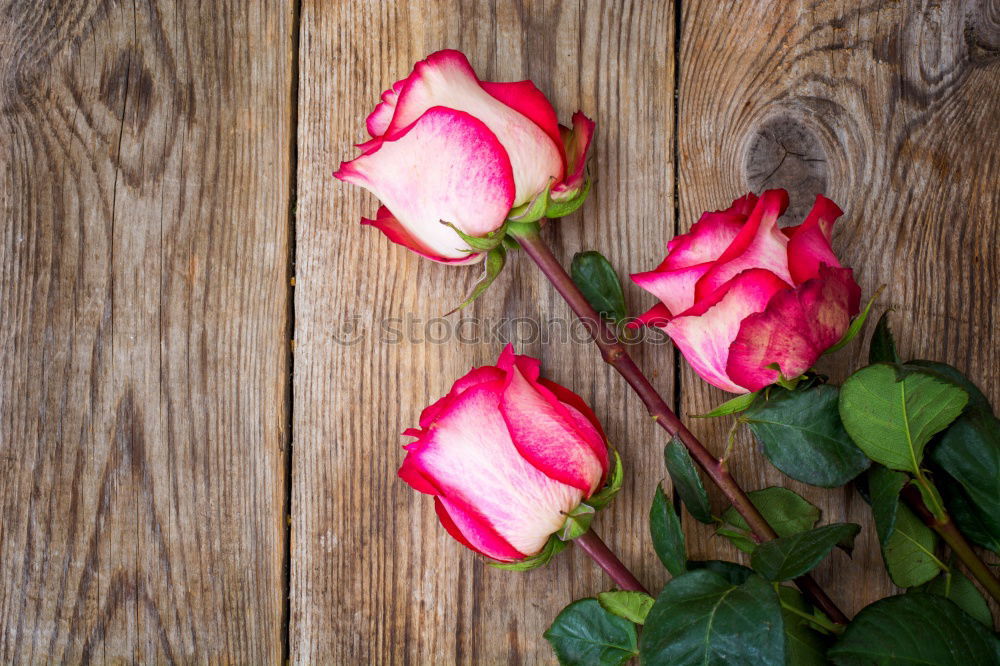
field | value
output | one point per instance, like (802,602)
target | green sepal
(495,260)
(516,229)
(552,547)
(603,497)
(738,404)
(577,522)
(480,243)
(533,210)
(511,243)
(782,381)
(563,208)
(855,327)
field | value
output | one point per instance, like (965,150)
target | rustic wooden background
(180,481)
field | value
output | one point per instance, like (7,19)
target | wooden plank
(143,352)
(889,108)
(374,577)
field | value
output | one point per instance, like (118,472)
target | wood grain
(375,579)
(144,153)
(889,108)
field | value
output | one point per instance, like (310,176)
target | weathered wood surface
(890,109)
(147,163)
(375,579)
(144,153)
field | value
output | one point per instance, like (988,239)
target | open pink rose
(739,294)
(506,455)
(448,147)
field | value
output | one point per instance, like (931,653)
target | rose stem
(615,354)
(600,553)
(958,543)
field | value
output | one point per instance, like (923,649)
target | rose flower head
(511,460)
(749,303)
(452,157)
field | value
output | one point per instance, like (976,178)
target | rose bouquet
(467,170)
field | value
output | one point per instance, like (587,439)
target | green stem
(945,527)
(819,620)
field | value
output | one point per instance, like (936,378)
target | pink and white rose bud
(448,147)
(507,455)
(741,297)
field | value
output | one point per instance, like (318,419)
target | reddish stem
(600,553)
(617,356)
(947,530)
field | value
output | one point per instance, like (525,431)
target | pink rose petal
(705,332)
(445,166)
(796,327)
(759,244)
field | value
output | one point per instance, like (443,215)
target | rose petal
(809,244)
(468,456)
(760,244)
(530,367)
(446,79)
(705,332)
(709,237)
(474,377)
(675,288)
(446,166)
(576,145)
(397,233)
(796,327)
(576,407)
(526,99)
(563,445)
(474,531)
(658,315)
(379,119)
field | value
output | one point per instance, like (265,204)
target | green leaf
(737,404)
(915,628)
(495,260)
(552,547)
(736,574)
(599,282)
(963,593)
(633,606)
(784,510)
(909,551)
(804,646)
(855,327)
(584,634)
(801,434)
(558,208)
(977,401)
(686,481)
(789,557)
(882,348)
(969,451)
(982,528)
(701,618)
(668,537)
(885,486)
(602,498)
(892,421)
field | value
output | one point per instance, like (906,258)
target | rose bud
(451,156)
(749,303)
(511,460)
